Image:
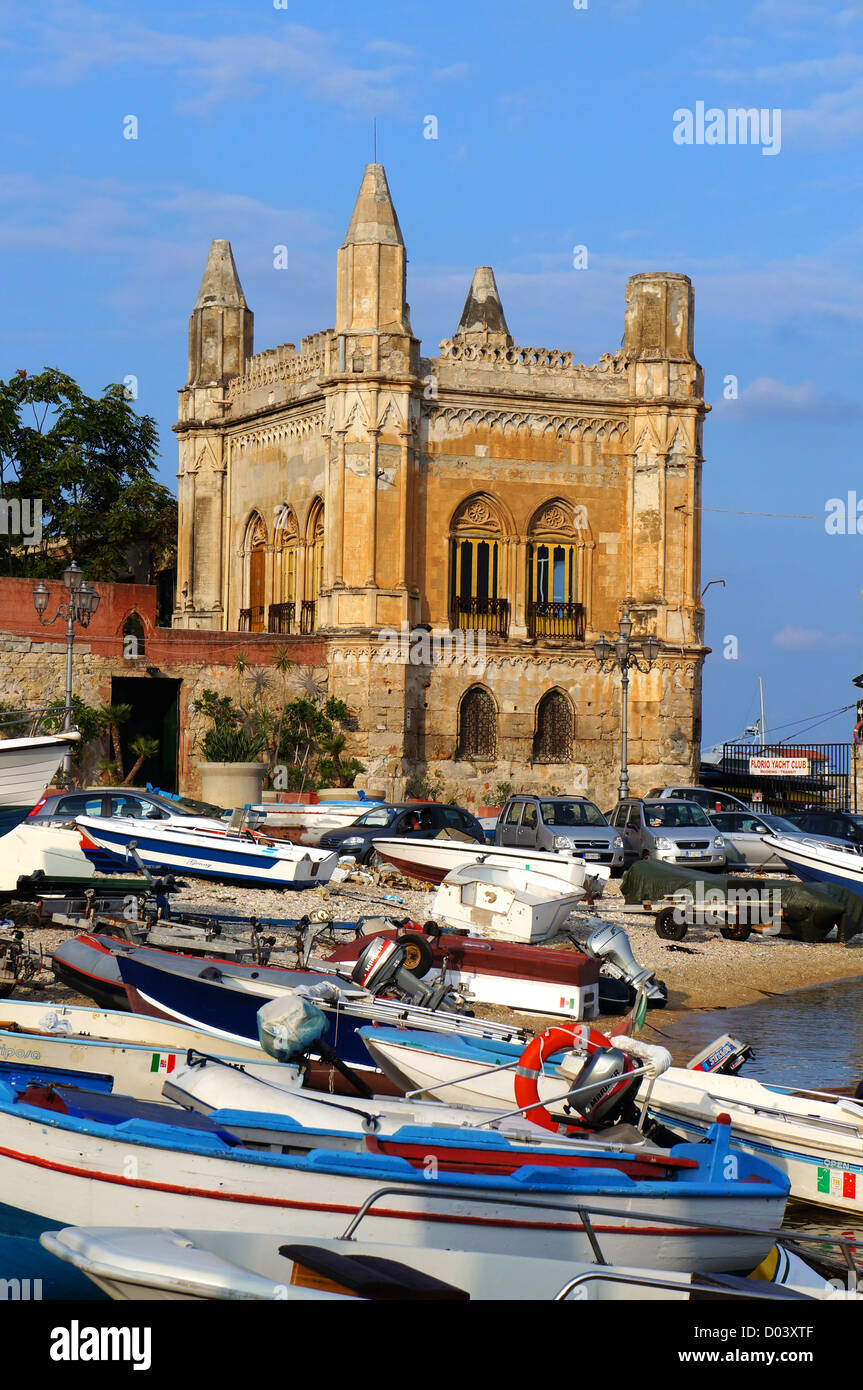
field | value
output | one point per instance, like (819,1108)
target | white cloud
(769,399)
(802,639)
(72,43)
(451,74)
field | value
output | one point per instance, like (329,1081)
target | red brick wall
(164,646)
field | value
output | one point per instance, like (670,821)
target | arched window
(477,579)
(555,578)
(283,613)
(477,726)
(134,637)
(255,572)
(552,741)
(315,566)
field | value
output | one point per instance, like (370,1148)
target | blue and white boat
(69,1157)
(224,999)
(171,847)
(819,861)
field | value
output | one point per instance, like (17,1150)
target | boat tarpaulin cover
(809,911)
(289,1024)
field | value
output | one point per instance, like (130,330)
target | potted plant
(231,772)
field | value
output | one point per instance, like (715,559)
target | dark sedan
(424,819)
(834,825)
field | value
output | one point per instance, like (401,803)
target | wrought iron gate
(827,782)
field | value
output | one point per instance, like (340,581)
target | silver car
(708,798)
(744,833)
(671,831)
(559,823)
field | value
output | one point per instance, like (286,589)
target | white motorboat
(506,902)
(136,1054)
(819,861)
(49,849)
(815,1137)
(224,856)
(307,822)
(161,1264)
(431,860)
(66,1154)
(26,768)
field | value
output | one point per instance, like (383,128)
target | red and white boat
(431,860)
(533,979)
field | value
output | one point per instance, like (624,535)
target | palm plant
(111,717)
(143,748)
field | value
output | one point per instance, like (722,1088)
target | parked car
(559,823)
(846,826)
(743,833)
(424,820)
(59,807)
(707,798)
(672,831)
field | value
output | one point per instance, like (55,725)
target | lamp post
(79,606)
(622,654)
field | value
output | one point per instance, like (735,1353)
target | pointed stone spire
(372,265)
(374,217)
(221,329)
(483,319)
(221,283)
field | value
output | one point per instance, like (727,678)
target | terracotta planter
(298,798)
(488,810)
(232,785)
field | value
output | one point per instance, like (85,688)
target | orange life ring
(574,1037)
(858,731)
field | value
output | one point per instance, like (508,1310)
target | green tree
(89,462)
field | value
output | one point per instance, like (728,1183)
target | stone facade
(513,495)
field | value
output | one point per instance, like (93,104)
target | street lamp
(622,654)
(79,607)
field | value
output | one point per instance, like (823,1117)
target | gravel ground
(705,971)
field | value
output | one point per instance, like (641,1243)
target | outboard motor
(380,965)
(604,1086)
(611,945)
(725,1055)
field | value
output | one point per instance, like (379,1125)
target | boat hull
(818,862)
(219,857)
(63,1171)
(823,1164)
(431,860)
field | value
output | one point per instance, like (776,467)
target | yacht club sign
(776,766)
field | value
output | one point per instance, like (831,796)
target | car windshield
(780,823)
(670,814)
(186,806)
(571,813)
(382,815)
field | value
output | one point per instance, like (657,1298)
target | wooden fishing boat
(131,1054)
(66,1154)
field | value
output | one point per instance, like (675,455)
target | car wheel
(373,859)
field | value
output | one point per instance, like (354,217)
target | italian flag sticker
(837,1182)
(163,1061)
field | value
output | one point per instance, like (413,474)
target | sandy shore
(703,972)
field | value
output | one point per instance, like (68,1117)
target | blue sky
(555,129)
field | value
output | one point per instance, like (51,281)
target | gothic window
(255,559)
(134,635)
(554,573)
(552,742)
(477,726)
(477,580)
